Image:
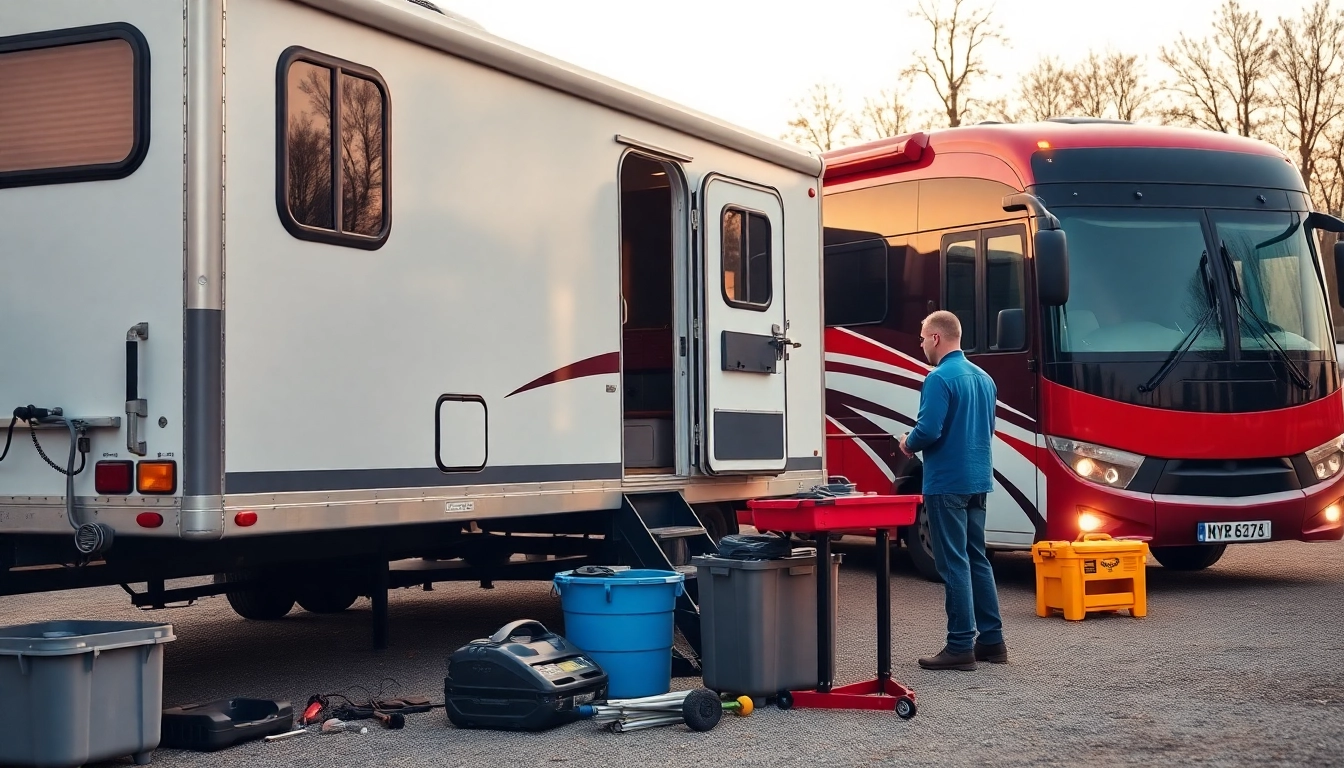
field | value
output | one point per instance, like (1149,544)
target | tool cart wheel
(905,708)
(784,700)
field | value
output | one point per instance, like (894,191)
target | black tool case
(220,724)
(524,677)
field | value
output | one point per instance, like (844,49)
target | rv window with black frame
(334,177)
(855,275)
(746,259)
(84,103)
(1005,281)
(959,284)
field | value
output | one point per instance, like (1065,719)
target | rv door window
(335,177)
(82,93)
(959,285)
(1005,282)
(746,259)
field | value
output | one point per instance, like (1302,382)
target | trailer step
(676,532)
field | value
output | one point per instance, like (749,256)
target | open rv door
(741,330)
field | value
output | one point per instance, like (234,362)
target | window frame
(140,75)
(338,67)
(886,282)
(747,213)
(981,238)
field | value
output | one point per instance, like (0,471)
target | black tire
(701,710)
(905,708)
(784,700)
(268,602)
(1192,558)
(330,600)
(719,520)
(920,546)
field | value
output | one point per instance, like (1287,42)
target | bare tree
(883,116)
(1308,76)
(1109,85)
(1127,86)
(954,63)
(1088,95)
(1044,90)
(822,119)
(1220,82)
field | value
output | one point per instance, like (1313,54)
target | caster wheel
(784,700)
(905,708)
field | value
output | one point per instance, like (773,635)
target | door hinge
(1031,365)
(695,218)
(697,434)
(695,328)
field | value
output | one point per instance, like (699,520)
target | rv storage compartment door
(743,337)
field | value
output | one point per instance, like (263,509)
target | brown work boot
(994,654)
(945,659)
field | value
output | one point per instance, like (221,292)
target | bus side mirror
(1339,272)
(1012,331)
(1052,267)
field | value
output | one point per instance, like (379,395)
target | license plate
(1255,530)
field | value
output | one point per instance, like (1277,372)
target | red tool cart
(822,513)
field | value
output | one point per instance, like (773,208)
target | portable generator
(524,677)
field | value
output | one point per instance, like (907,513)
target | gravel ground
(1236,665)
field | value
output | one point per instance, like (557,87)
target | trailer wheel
(268,602)
(330,600)
(784,700)
(919,543)
(719,520)
(1192,558)
(905,708)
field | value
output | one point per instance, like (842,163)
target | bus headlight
(1109,467)
(1326,460)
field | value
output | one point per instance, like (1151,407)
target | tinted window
(1005,281)
(957,203)
(72,111)
(746,258)
(886,210)
(1164,165)
(856,281)
(335,140)
(959,285)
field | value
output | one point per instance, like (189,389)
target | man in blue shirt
(955,430)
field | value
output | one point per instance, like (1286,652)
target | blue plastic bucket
(624,621)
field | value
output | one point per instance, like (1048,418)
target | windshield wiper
(1189,340)
(1298,377)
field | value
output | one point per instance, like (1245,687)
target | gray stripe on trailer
(203,414)
(428,477)
(799,463)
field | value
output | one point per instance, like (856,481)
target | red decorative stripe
(593,366)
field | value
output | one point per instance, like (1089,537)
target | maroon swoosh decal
(593,366)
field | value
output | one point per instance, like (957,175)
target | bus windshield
(1140,282)
(1136,281)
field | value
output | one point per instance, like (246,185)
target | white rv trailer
(362,267)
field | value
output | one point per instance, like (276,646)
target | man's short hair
(943,323)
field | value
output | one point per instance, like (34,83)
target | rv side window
(334,141)
(85,99)
(1005,283)
(855,278)
(746,259)
(959,284)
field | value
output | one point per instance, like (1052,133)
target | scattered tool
(701,709)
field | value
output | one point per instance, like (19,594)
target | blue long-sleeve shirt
(956,427)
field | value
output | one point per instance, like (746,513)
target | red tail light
(113,478)
(245,519)
(149,519)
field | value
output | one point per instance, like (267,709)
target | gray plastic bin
(758,622)
(77,692)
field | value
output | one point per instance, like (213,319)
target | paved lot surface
(1237,665)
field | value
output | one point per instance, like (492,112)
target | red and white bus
(1149,301)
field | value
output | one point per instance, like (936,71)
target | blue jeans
(957,530)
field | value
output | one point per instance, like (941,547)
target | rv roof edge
(477,45)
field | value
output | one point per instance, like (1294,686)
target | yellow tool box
(1095,573)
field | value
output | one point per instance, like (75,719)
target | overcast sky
(748,61)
